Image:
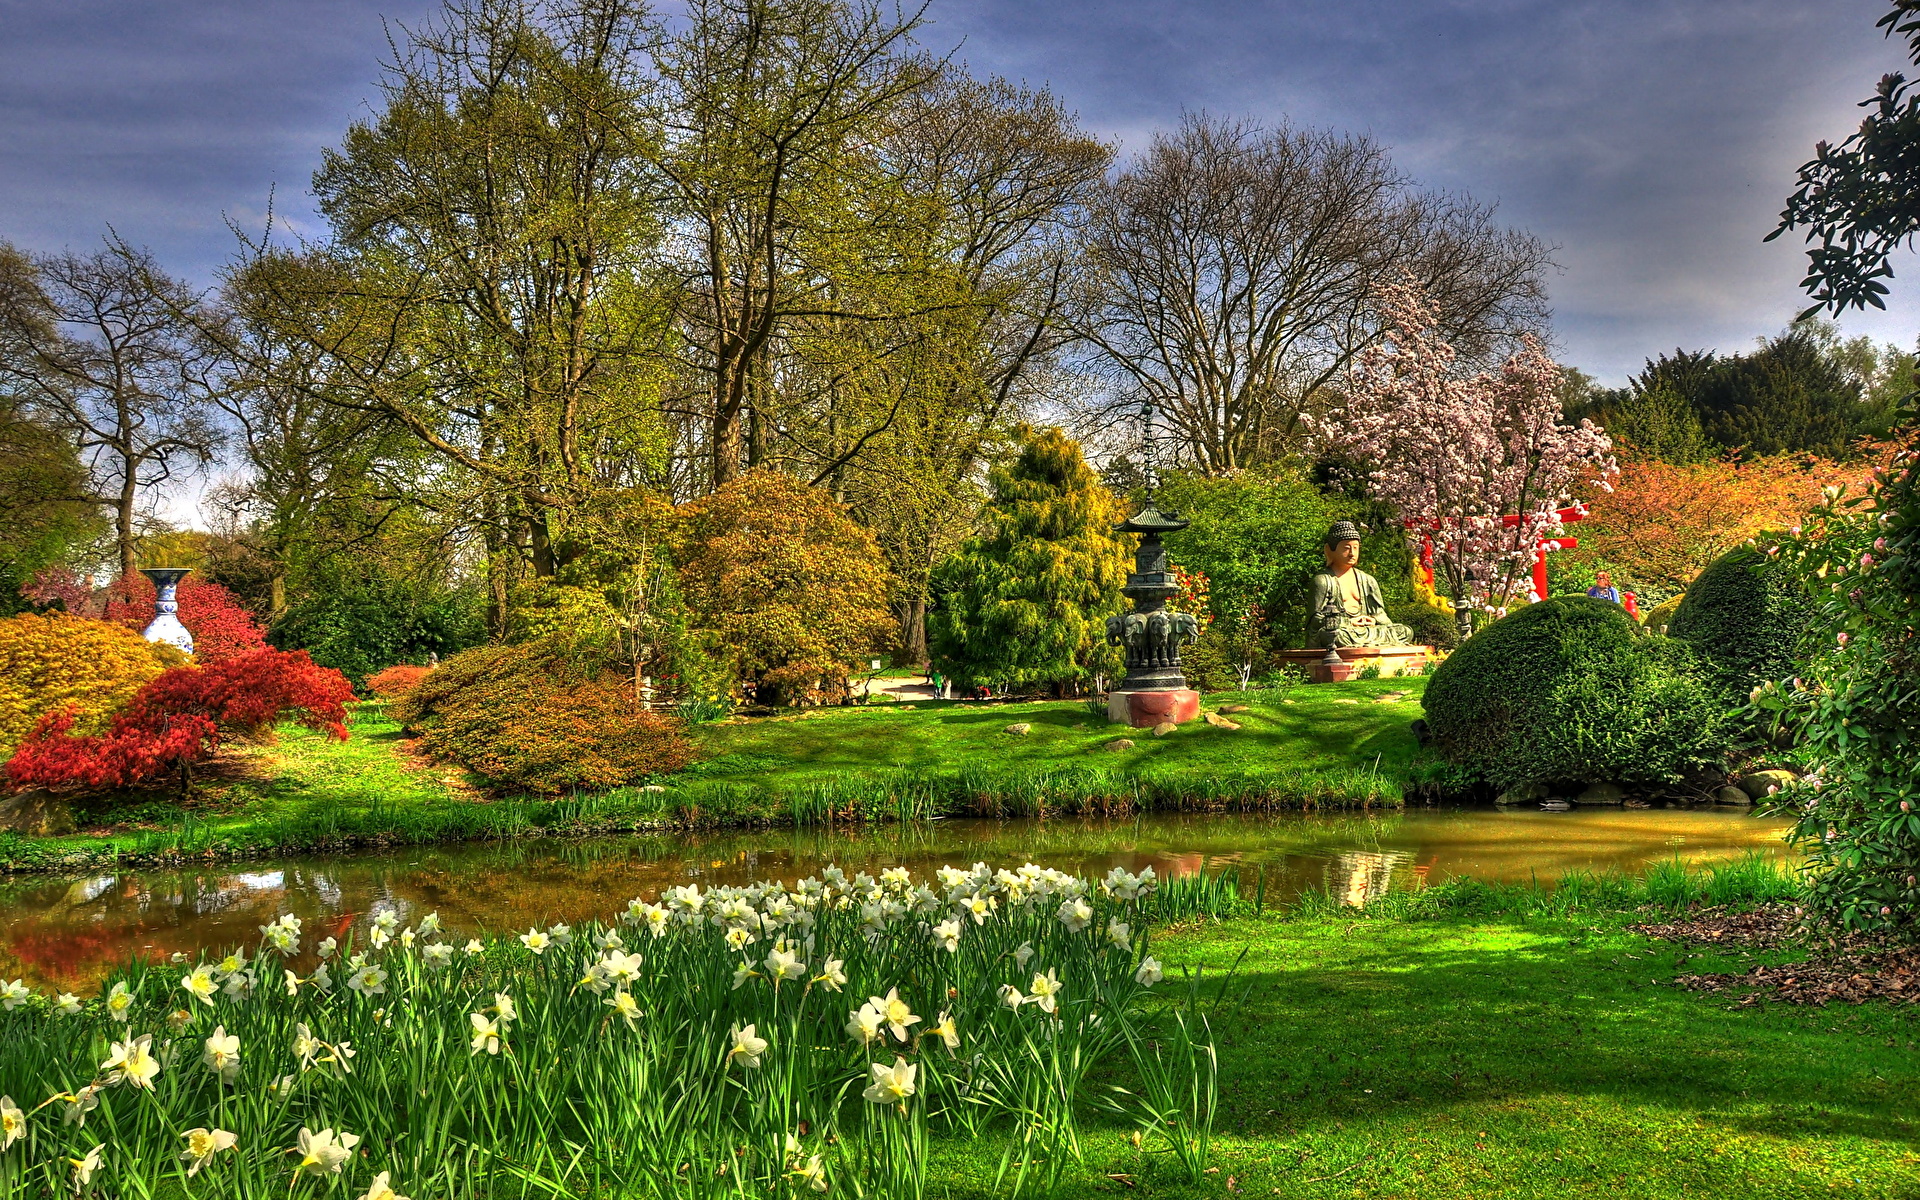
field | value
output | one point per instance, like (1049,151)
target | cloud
(1652,140)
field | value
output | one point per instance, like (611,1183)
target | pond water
(70,931)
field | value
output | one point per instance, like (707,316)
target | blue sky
(1652,140)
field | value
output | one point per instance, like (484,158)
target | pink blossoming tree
(1478,462)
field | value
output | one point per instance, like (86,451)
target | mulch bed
(1849,970)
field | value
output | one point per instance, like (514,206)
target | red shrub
(221,626)
(395,682)
(180,718)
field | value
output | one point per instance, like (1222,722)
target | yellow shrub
(57,661)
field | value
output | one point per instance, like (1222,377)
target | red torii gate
(1565,516)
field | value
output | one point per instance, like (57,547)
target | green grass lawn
(1333,744)
(1325,726)
(1524,1057)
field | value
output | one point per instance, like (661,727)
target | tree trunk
(277,595)
(913,632)
(123,525)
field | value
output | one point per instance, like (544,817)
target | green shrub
(1569,691)
(1662,613)
(1743,616)
(533,718)
(1431,626)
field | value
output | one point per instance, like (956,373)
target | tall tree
(764,102)
(1025,603)
(1232,269)
(98,345)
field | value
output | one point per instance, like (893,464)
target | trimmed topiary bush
(530,717)
(1570,691)
(1743,616)
(1431,625)
(1662,613)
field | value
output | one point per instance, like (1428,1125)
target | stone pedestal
(1392,660)
(1144,710)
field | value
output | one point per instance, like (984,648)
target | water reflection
(71,932)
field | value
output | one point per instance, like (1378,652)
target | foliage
(1459,454)
(221,626)
(1744,617)
(1570,691)
(41,521)
(1660,524)
(1255,535)
(1662,613)
(1431,625)
(640,1054)
(358,624)
(179,719)
(1025,603)
(64,663)
(1858,199)
(394,682)
(1854,710)
(784,582)
(536,717)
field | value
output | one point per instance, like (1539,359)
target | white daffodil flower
(1024,953)
(202,1145)
(368,981)
(783,963)
(1149,972)
(199,984)
(13,1123)
(891,1085)
(13,995)
(561,934)
(79,1104)
(119,1002)
(1045,991)
(742,973)
(747,1047)
(132,1061)
(864,1024)
(328,948)
(178,1019)
(382,1188)
(67,1004)
(621,968)
(473,947)
(222,1054)
(833,976)
(503,1007)
(306,1047)
(429,924)
(1075,914)
(486,1034)
(946,935)
(323,1153)
(438,955)
(947,1031)
(622,1002)
(535,941)
(895,1012)
(83,1168)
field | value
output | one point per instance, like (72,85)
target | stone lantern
(1154,690)
(166,626)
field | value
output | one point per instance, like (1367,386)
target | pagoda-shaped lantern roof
(1153,519)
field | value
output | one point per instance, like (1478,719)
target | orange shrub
(396,681)
(57,662)
(1663,522)
(526,717)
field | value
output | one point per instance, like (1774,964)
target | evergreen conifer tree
(1025,603)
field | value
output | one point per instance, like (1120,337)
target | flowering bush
(760,1041)
(1851,711)
(534,717)
(179,719)
(1482,464)
(60,663)
(395,682)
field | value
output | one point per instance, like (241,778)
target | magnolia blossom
(1461,456)
(202,1145)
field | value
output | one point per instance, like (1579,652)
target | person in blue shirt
(1603,588)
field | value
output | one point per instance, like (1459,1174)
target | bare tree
(1230,269)
(97,343)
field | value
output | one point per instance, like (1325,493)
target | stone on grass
(1020,728)
(1732,795)
(653,787)
(1120,744)
(1346,702)
(1164,728)
(1602,793)
(1389,697)
(38,813)
(1233,708)
(1761,784)
(1220,722)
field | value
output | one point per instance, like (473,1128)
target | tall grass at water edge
(752,1041)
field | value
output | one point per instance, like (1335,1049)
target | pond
(69,932)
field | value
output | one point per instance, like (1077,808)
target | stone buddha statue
(1345,607)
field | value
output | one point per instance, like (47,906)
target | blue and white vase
(166,626)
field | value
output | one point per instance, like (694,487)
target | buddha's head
(1341,548)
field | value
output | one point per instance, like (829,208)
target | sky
(1651,141)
